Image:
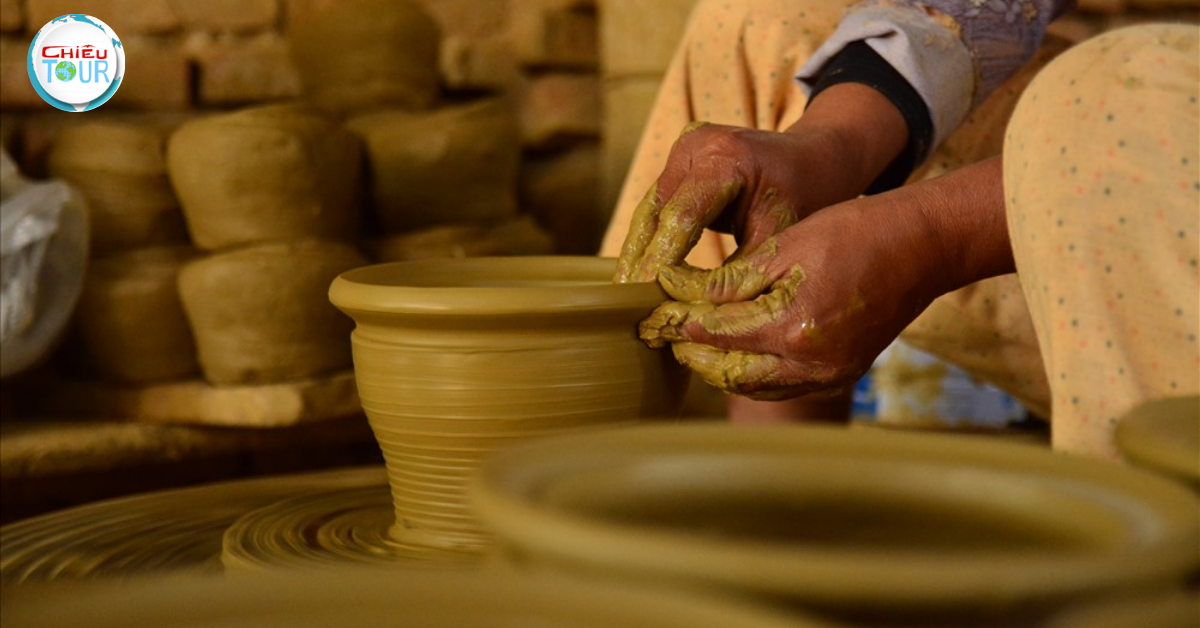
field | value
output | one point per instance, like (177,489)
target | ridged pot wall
(455,359)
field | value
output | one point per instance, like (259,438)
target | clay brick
(237,70)
(15,89)
(469,18)
(125,17)
(488,63)
(554,33)
(226,15)
(627,104)
(638,37)
(12,16)
(158,76)
(555,108)
(561,190)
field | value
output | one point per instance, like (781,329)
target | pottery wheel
(344,513)
(342,526)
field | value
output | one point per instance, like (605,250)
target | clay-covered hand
(810,308)
(755,183)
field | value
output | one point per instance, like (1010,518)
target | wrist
(957,226)
(862,130)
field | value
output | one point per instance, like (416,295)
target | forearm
(958,221)
(863,132)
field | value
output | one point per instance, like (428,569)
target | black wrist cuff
(859,63)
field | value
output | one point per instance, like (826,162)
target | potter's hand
(810,308)
(756,183)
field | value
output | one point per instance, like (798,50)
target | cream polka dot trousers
(1102,180)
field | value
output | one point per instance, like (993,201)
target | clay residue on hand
(665,324)
(729,371)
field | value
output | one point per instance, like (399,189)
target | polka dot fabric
(1103,183)
(735,66)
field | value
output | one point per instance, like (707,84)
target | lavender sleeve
(953,52)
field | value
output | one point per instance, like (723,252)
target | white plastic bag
(43,257)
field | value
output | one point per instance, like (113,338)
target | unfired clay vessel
(121,170)
(361,54)
(259,314)
(455,164)
(1164,435)
(273,173)
(882,524)
(130,318)
(455,359)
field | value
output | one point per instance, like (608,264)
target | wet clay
(360,54)
(908,526)
(408,595)
(456,359)
(121,170)
(455,164)
(177,530)
(130,319)
(279,172)
(519,236)
(1164,436)
(259,314)
(343,526)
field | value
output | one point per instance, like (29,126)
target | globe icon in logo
(65,70)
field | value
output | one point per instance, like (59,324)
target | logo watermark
(76,62)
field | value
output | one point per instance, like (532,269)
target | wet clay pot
(273,173)
(918,529)
(121,169)
(1163,435)
(130,318)
(455,359)
(259,313)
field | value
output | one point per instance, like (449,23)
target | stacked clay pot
(518,236)
(130,318)
(260,314)
(359,54)
(271,194)
(454,164)
(121,170)
(129,323)
(455,359)
(279,172)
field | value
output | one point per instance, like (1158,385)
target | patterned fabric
(1102,175)
(953,52)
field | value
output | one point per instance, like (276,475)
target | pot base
(338,527)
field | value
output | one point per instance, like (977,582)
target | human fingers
(700,197)
(768,213)
(642,226)
(740,279)
(739,321)
(729,371)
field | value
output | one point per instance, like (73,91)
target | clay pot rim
(436,287)
(1158,518)
(1163,436)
